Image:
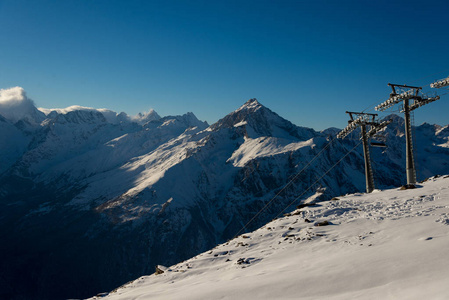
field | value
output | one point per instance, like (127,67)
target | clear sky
(309,61)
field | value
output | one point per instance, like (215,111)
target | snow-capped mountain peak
(259,120)
(143,118)
(185,121)
(251,104)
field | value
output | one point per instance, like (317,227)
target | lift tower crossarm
(367,117)
(393,86)
(423,102)
(440,83)
(353,124)
(412,93)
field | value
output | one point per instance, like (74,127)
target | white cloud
(15,105)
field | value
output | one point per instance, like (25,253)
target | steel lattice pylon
(407,94)
(363,120)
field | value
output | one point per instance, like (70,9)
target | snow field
(385,245)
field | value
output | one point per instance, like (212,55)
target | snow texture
(390,244)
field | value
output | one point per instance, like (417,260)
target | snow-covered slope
(390,244)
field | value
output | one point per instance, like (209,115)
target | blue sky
(309,61)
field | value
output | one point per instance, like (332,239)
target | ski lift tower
(362,120)
(405,94)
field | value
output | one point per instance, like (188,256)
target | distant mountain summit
(143,118)
(259,121)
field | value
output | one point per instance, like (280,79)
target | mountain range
(90,199)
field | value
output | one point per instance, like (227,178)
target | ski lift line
(438,73)
(390,105)
(285,187)
(330,169)
(241,217)
(252,171)
(291,181)
(371,106)
(294,176)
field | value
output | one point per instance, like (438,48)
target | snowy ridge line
(290,183)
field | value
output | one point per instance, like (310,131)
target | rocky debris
(323,223)
(160,269)
(444,219)
(305,205)
(242,260)
(407,187)
(242,244)
(101,295)
(288,235)
(221,253)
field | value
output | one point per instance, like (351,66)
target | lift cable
(285,187)
(330,169)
